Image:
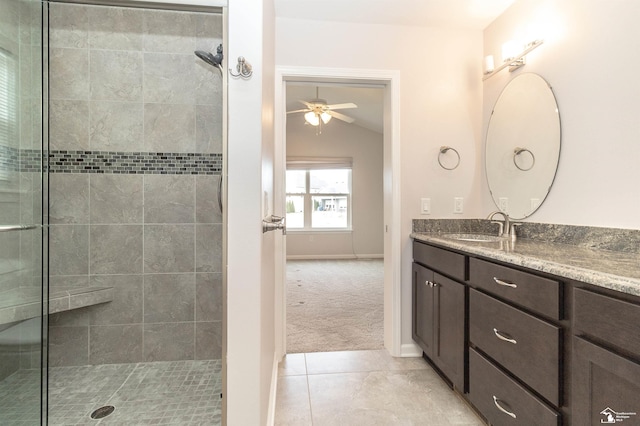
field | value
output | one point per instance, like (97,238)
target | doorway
(388,82)
(334,216)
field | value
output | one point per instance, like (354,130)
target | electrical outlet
(458,206)
(503,204)
(425,206)
(535,203)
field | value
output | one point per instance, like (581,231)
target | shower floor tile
(20,398)
(176,392)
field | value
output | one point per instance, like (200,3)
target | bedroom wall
(339,139)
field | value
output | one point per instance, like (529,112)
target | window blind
(319,163)
(8,103)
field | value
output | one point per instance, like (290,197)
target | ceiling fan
(317,112)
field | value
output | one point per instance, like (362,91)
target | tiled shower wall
(136,142)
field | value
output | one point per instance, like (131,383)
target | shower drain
(102,412)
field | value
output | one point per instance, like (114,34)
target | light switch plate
(458,205)
(425,205)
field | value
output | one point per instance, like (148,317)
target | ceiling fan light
(325,117)
(312,118)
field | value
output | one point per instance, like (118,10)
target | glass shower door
(22,234)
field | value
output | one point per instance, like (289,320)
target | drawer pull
(507,412)
(503,337)
(504,283)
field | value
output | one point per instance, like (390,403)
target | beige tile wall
(127,80)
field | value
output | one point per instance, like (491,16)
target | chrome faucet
(507,228)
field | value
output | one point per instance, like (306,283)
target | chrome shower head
(210,58)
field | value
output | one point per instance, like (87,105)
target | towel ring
(517,151)
(443,150)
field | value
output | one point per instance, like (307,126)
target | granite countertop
(615,270)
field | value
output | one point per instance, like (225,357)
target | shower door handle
(220,193)
(9,228)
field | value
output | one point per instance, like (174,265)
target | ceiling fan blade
(340,116)
(299,110)
(341,106)
(307,104)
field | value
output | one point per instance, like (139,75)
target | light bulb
(312,118)
(509,51)
(488,64)
(325,117)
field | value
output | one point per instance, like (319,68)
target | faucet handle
(512,231)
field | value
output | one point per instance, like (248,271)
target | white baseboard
(271,414)
(410,350)
(333,256)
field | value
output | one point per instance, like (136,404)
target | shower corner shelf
(24,303)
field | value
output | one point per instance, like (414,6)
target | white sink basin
(478,238)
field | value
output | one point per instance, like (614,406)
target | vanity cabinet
(606,358)
(538,349)
(439,311)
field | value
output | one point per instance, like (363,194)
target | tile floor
(155,393)
(365,388)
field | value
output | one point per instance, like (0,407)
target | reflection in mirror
(523,145)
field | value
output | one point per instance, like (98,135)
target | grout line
(123,383)
(306,371)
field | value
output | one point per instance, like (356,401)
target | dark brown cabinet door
(423,308)
(449,345)
(606,386)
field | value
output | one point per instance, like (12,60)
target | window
(8,103)
(318,195)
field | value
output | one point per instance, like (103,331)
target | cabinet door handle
(504,283)
(507,412)
(428,283)
(503,337)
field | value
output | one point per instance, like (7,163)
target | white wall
(441,99)
(364,146)
(590,57)
(249,313)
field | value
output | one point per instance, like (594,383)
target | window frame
(309,165)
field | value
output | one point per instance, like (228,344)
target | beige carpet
(334,305)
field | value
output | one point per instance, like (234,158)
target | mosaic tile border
(173,163)
(111,162)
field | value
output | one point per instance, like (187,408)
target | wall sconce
(510,57)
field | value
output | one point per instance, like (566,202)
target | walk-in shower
(134,228)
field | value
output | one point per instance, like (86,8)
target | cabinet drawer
(539,294)
(617,321)
(525,345)
(495,395)
(445,261)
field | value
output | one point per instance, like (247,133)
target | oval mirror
(523,145)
